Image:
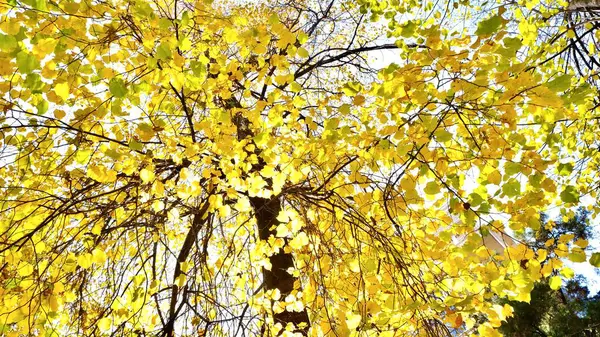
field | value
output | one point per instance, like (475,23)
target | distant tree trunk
(578,5)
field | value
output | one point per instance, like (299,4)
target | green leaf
(565,169)
(408,30)
(114,154)
(432,188)
(512,168)
(163,52)
(273,19)
(37,4)
(34,83)
(569,195)
(143,9)
(489,26)
(8,43)
(261,138)
(302,52)
(512,188)
(579,94)
(164,23)
(22,34)
(117,87)
(185,18)
(198,68)
(484,207)
(595,260)
(577,256)
(512,43)
(42,107)
(475,199)
(344,108)
(534,223)
(559,84)
(26,62)
(442,136)
(535,180)
(135,145)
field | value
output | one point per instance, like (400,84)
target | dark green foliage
(568,311)
(528,317)
(577,225)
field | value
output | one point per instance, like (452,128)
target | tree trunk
(266,211)
(578,5)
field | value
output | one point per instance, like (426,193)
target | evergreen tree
(567,311)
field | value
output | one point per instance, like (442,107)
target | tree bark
(265,212)
(577,5)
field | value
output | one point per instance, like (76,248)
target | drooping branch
(198,221)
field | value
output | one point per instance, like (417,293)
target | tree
(555,310)
(566,312)
(196,168)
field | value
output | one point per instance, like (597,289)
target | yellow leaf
(282,231)
(353,320)
(295,87)
(44,46)
(26,270)
(101,173)
(567,272)
(555,282)
(566,238)
(147,175)
(53,303)
(581,243)
(407,184)
(296,176)
(185,44)
(69,297)
(354,265)
(230,35)
(59,114)
(487,330)
(98,256)
(260,49)
(62,90)
(507,311)
(84,260)
(494,177)
(243,205)
(281,79)
(299,241)
(359,100)
(180,281)
(302,52)
(104,324)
